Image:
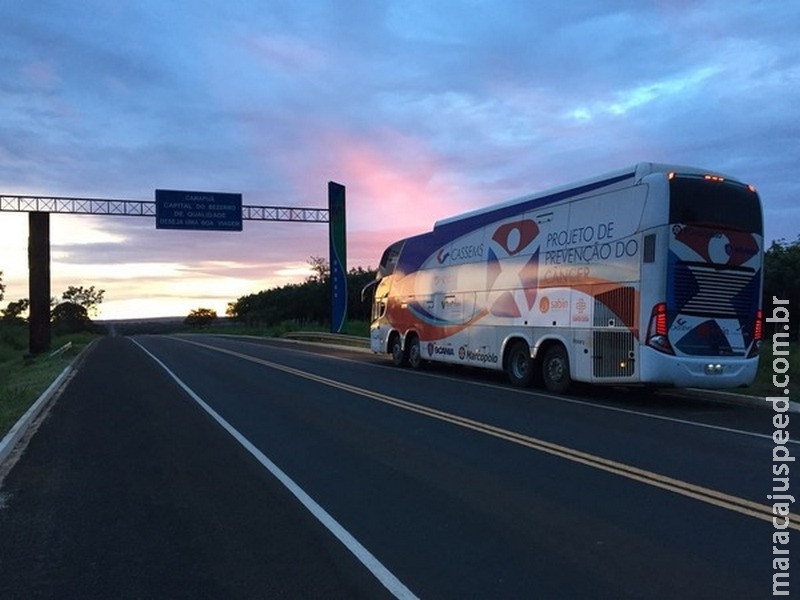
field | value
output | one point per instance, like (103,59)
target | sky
(423,109)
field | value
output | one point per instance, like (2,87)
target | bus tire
(414,352)
(555,369)
(399,356)
(519,366)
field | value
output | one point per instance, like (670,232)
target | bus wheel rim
(520,366)
(555,369)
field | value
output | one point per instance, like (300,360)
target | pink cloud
(397,186)
(394,182)
(364,248)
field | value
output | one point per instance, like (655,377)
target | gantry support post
(39,282)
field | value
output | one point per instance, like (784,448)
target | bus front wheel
(555,369)
(519,366)
(399,356)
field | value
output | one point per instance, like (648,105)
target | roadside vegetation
(781,281)
(22,378)
(763,385)
(305,304)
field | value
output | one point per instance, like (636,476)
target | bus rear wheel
(414,352)
(519,366)
(555,369)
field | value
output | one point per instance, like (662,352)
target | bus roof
(623,177)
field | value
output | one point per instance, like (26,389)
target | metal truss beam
(140,208)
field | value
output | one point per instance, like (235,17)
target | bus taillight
(658,329)
(758,333)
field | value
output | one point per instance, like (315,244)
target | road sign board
(207,211)
(338,252)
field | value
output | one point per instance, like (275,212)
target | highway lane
(463,487)
(541,521)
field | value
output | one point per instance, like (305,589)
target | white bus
(651,275)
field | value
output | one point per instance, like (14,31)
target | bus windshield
(389,259)
(699,201)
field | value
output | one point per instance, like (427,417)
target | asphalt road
(210,467)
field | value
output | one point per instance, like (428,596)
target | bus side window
(649,254)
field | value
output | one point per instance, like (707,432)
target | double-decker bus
(650,275)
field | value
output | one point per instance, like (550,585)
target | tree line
(71,314)
(782,279)
(303,303)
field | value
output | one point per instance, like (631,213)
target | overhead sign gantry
(173,209)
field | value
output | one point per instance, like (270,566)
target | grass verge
(23,379)
(763,385)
